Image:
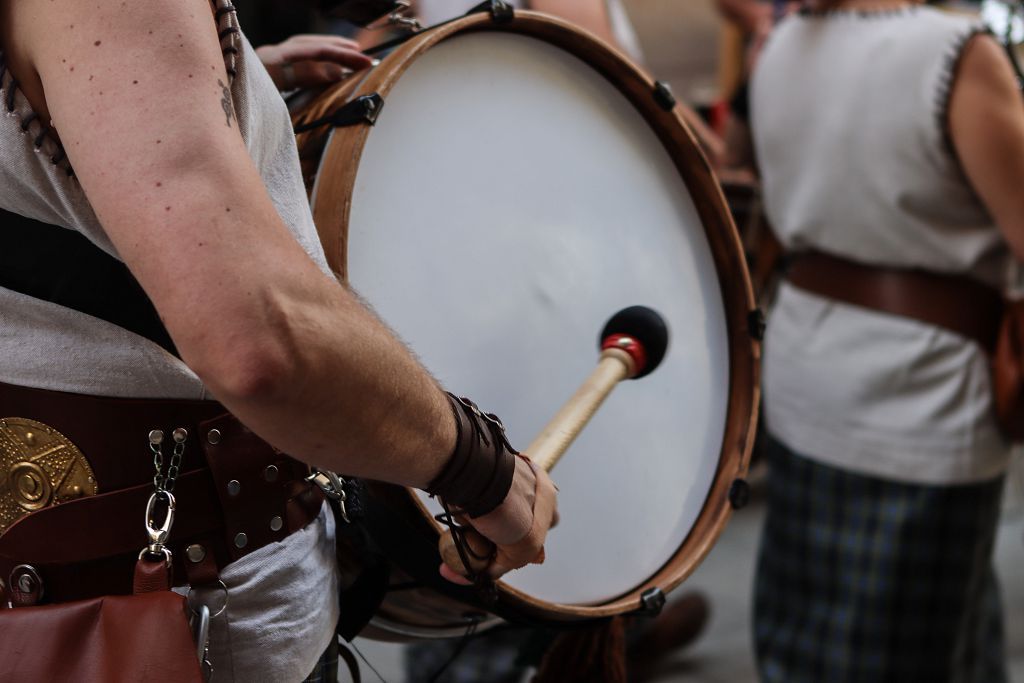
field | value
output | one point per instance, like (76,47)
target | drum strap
(63,267)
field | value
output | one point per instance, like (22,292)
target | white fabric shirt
(282,605)
(849,121)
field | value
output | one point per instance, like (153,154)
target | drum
(496,189)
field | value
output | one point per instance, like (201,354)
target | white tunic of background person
(432,12)
(848,119)
(290,586)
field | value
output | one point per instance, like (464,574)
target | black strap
(63,267)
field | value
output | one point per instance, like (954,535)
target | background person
(889,136)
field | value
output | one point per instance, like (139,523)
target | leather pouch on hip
(1008,372)
(141,637)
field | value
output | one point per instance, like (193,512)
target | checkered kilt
(865,580)
(326,669)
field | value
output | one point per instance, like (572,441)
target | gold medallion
(39,466)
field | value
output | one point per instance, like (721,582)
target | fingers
(312,74)
(530,550)
(479,552)
(315,60)
(322,38)
(450,574)
(345,55)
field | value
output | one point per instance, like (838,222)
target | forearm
(306,366)
(355,401)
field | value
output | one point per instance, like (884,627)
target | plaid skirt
(861,579)
(326,669)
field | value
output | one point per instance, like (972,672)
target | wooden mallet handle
(633,343)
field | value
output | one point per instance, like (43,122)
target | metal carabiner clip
(333,487)
(158,534)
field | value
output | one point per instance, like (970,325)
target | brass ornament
(39,467)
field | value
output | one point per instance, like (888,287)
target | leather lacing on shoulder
(29,121)
(944,93)
(229,34)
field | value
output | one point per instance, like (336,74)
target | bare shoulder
(984,66)
(79,46)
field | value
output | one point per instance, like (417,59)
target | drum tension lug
(663,96)
(364,109)
(501,12)
(739,494)
(756,324)
(652,601)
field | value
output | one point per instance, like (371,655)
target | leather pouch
(141,637)
(1008,372)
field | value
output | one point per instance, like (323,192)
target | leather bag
(1008,371)
(129,638)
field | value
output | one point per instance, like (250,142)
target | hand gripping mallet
(633,344)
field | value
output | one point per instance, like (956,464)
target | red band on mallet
(630,345)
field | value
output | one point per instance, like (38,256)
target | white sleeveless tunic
(849,121)
(283,597)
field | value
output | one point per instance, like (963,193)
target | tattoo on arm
(225,103)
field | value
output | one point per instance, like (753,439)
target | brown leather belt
(953,302)
(235,494)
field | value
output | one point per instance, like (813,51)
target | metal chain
(179,435)
(156,439)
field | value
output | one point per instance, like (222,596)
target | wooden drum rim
(332,195)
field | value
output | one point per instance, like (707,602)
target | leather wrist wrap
(479,474)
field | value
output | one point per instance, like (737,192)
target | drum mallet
(633,344)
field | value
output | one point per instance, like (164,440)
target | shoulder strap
(63,267)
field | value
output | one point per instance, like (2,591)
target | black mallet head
(645,326)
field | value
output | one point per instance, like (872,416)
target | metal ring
(193,598)
(153,551)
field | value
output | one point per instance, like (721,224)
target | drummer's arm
(136,94)
(986,120)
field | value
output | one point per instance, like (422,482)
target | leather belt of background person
(952,302)
(63,267)
(230,484)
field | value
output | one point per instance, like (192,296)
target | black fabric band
(63,267)
(479,473)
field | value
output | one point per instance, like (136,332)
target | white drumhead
(508,202)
